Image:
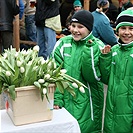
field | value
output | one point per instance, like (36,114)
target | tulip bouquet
(25,68)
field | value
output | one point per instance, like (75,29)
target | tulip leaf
(60,87)
(12,91)
(65,84)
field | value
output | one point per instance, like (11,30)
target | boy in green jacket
(116,66)
(85,107)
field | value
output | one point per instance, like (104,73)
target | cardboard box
(28,106)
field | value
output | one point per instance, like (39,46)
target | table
(62,122)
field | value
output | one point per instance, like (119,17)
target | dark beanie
(83,17)
(125,18)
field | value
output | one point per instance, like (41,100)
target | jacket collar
(125,46)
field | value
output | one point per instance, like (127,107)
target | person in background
(47,20)
(124,5)
(30,27)
(30,21)
(21,9)
(71,50)
(65,9)
(76,7)
(102,28)
(8,10)
(112,13)
(93,5)
(116,65)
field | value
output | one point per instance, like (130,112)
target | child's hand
(56,107)
(106,49)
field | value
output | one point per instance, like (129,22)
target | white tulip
(47,76)
(16,54)
(54,65)
(22,70)
(44,91)
(28,52)
(42,61)
(75,85)
(34,68)
(29,63)
(24,52)
(46,61)
(5,55)
(63,71)
(36,48)
(49,64)
(41,81)
(82,89)
(19,63)
(50,78)
(8,73)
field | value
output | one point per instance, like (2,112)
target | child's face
(79,31)
(126,33)
(77,8)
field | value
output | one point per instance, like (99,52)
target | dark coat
(46,9)
(125,7)
(8,9)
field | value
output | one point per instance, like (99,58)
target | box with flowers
(30,82)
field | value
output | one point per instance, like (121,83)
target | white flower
(41,81)
(8,73)
(22,70)
(5,55)
(28,51)
(16,54)
(19,63)
(54,65)
(82,89)
(54,71)
(47,61)
(42,61)
(75,85)
(63,71)
(29,63)
(47,76)
(36,48)
(50,65)
(44,91)
(24,52)
(34,68)
(50,78)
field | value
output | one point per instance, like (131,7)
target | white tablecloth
(62,122)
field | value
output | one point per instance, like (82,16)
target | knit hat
(125,18)
(77,3)
(83,17)
(103,3)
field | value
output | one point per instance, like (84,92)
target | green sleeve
(90,63)
(105,67)
(58,98)
(56,54)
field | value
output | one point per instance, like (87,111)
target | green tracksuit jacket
(71,54)
(117,71)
